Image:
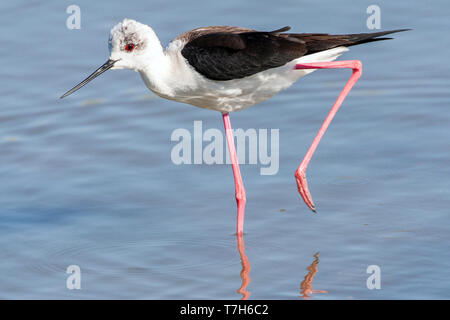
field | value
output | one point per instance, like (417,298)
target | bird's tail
(360,38)
(316,42)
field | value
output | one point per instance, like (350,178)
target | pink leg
(240,191)
(356,67)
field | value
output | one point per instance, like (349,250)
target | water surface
(88,180)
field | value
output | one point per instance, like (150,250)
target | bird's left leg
(300,173)
(240,191)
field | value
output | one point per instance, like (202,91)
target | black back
(227,56)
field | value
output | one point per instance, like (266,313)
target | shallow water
(89,181)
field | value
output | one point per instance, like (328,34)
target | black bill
(106,66)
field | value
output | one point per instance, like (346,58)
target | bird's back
(231,68)
(225,53)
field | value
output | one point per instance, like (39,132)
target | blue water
(89,181)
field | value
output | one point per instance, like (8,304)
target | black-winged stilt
(228,69)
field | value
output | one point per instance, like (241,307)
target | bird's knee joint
(357,68)
(299,174)
(240,196)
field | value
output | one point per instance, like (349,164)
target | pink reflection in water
(306,287)
(245,272)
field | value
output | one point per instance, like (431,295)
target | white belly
(189,87)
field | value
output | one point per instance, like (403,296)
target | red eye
(129,47)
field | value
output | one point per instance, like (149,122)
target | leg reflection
(306,287)
(245,272)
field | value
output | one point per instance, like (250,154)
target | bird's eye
(129,47)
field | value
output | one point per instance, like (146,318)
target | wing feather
(226,53)
(226,56)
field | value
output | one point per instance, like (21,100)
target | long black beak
(106,66)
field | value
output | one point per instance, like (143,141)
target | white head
(132,45)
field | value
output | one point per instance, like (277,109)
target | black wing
(227,56)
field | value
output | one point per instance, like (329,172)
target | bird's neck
(156,71)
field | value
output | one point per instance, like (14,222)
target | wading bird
(228,69)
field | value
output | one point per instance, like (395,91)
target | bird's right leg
(240,191)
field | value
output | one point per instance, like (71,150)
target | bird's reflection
(245,272)
(306,287)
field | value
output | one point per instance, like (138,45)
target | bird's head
(131,44)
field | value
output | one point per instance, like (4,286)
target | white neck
(156,71)
(166,73)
